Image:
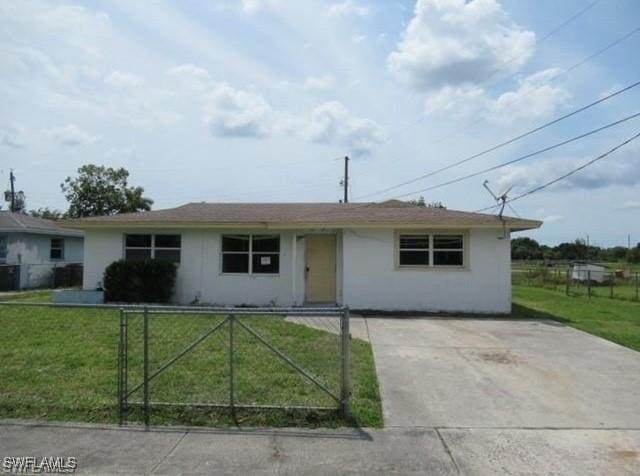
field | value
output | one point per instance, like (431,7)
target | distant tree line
(529,249)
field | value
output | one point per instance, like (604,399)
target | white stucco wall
(32,251)
(366,274)
(372,281)
(31,248)
(199,273)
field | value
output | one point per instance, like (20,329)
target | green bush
(139,281)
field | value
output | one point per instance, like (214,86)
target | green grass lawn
(615,320)
(60,364)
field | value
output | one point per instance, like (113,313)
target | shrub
(139,281)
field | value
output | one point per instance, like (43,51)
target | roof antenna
(500,199)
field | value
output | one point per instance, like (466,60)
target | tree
(578,250)
(420,202)
(46,213)
(99,190)
(633,255)
(525,248)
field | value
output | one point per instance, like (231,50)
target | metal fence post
(120,351)
(589,283)
(637,282)
(125,379)
(232,403)
(345,360)
(568,281)
(612,278)
(146,365)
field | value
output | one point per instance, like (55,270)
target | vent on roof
(393,204)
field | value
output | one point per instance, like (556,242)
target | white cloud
(319,82)
(122,80)
(71,136)
(357,39)
(452,42)
(534,98)
(254,6)
(620,169)
(13,135)
(630,205)
(348,8)
(232,112)
(331,122)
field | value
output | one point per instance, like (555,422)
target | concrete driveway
(512,396)
(460,396)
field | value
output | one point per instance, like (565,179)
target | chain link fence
(232,359)
(581,280)
(16,277)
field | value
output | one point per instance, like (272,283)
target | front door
(321,268)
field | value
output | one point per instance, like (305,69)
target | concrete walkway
(460,396)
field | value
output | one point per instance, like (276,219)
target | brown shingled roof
(289,215)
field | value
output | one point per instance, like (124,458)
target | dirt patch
(498,357)
(626,454)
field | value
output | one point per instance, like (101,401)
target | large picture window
(162,247)
(251,254)
(430,250)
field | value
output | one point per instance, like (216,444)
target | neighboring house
(386,256)
(33,246)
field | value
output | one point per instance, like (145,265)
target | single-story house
(31,247)
(385,256)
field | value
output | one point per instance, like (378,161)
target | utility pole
(629,241)
(345,182)
(12,179)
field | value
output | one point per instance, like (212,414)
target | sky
(258,101)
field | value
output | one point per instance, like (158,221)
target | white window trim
(153,248)
(250,253)
(432,266)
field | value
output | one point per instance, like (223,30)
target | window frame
(152,248)
(4,248)
(432,266)
(250,253)
(61,248)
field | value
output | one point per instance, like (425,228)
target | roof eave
(519,225)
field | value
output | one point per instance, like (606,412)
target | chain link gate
(138,324)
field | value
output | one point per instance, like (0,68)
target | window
(162,247)
(4,250)
(448,250)
(251,254)
(414,250)
(425,251)
(57,249)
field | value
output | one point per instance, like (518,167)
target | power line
(568,174)
(567,70)
(505,143)
(523,157)
(555,30)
